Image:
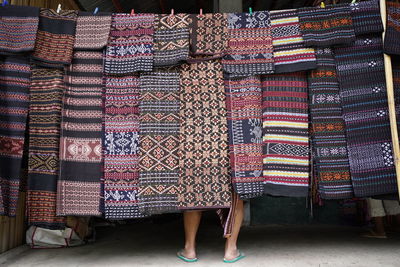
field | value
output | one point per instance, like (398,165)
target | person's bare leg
(379,226)
(191,222)
(231,250)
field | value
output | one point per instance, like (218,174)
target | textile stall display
(131,115)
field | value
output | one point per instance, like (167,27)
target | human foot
(233,256)
(187,255)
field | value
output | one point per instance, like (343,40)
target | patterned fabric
(121,126)
(285,134)
(244,113)
(327,26)
(204,180)
(159,142)
(392,34)
(249,44)
(366,16)
(171,39)
(46,93)
(92,30)
(130,44)
(361,76)
(18,27)
(14,102)
(81,132)
(328,129)
(55,38)
(208,34)
(290,54)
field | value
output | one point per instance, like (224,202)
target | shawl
(327,26)
(204,180)
(171,39)
(46,93)
(81,132)
(18,27)
(361,76)
(244,115)
(130,44)
(15,75)
(285,134)
(159,142)
(328,129)
(249,44)
(290,54)
(92,30)
(208,34)
(55,38)
(120,147)
(366,16)
(392,34)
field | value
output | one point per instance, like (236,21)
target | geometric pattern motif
(92,30)
(204,180)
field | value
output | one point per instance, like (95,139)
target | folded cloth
(55,38)
(249,44)
(18,27)
(327,26)
(171,39)
(392,34)
(208,34)
(92,30)
(366,16)
(130,44)
(290,54)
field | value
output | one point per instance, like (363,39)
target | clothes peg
(354,1)
(5,2)
(132,12)
(322,4)
(59,8)
(172,12)
(96,10)
(201,12)
(250,11)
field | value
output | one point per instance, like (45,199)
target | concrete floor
(156,244)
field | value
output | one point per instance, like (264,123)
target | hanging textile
(92,30)
(396,84)
(15,75)
(328,129)
(327,26)
(392,34)
(366,16)
(204,180)
(81,132)
(121,127)
(208,34)
(244,114)
(130,44)
(290,54)
(361,76)
(18,27)
(55,38)
(285,134)
(46,93)
(249,44)
(159,142)
(171,39)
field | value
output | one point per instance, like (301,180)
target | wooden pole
(391,102)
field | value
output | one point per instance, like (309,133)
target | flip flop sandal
(373,234)
(241,256)
(180,256)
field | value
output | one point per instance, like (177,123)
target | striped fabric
(366,16)
(55,38)
(46,91)
(290,54)
(120,147)
(327,26)
(159,142)
(92,30)
(361,76)
(81,132)
(15,75)
(285,134)
(392,34)
(130,44)
(328,129)
(249,49)
(244,114)
(18,27)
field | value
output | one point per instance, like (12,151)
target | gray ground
(156,245)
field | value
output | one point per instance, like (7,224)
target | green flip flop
(241,256)
(180,256)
